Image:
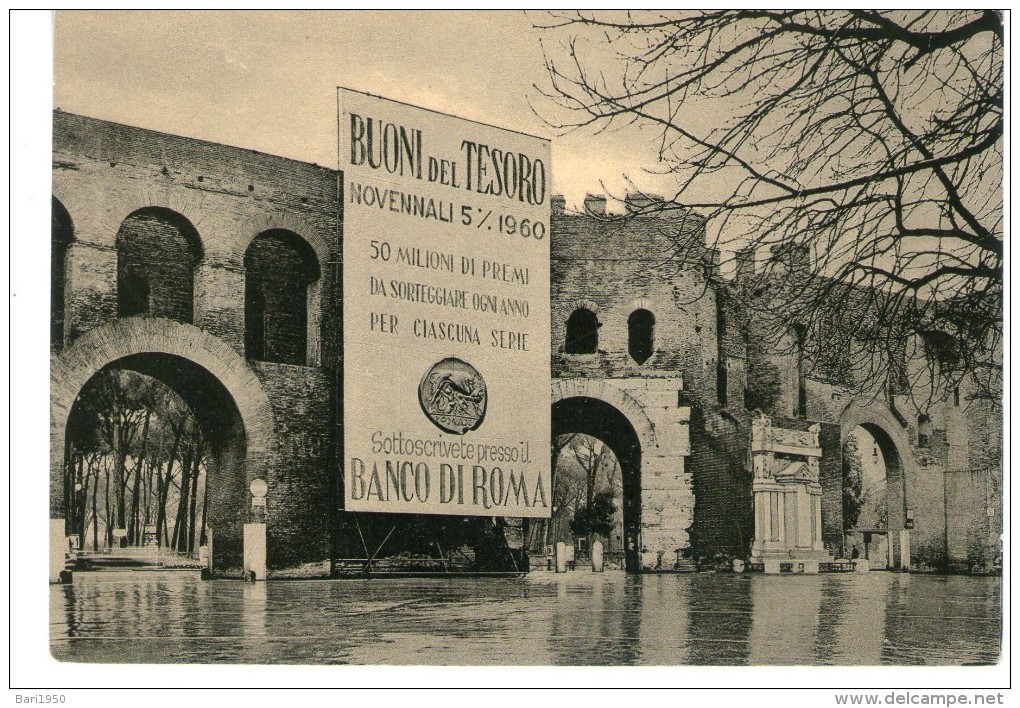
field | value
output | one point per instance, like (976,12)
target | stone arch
(580,409)
(641,303)
(614,396)
(585,305)
(893,441)
(86,201)
(139,337)
(114,206)
(877,416)
(283,221)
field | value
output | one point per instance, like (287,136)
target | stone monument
(787,498)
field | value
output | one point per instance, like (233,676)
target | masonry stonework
(111,179)
(274,400)
(949,480)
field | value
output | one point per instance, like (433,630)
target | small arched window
(61,237)
(280,271)
(582,332)
(641,335)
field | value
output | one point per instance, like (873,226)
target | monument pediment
(787,496)
(796,470)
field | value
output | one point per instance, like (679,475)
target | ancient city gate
(224,393)
(657,493)
(211,269)
(891,438)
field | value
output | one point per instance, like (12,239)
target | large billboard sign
(446,381)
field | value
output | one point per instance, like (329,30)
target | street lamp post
(255,532)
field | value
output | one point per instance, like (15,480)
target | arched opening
(641,335)
(587,499)
(582,332)
(157,253)
(280,286)
(61,237)
(155,450)
(873,511)
(595,418)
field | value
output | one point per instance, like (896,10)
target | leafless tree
(136,458)
(856,155)
(595,460)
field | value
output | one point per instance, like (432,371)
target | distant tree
(858,153)
(584,467)
(564,492)
(853,483)
(136,459)
(595,517)
(595,460)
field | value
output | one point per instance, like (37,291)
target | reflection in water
(544,618)
(939,620)
(721,613)
(662,635)
(859,635)
(832,620)
(785,620)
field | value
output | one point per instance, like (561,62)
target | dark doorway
(603,421)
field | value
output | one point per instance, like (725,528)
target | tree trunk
(134,535)
(119,456)
(147,492)
(95,511)
(205,508)
(163,493)
(193,504)
(109,520)
(133,539)
(179,542)
(159,504)
(83,502)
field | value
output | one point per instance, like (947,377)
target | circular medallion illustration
(453,396)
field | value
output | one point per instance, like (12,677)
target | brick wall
(616,267)
(157,257)
(830,476)
(723,506)
(300,498)
(103,173)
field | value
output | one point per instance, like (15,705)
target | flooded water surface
(576,618)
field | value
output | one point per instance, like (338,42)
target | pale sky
(266,80)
